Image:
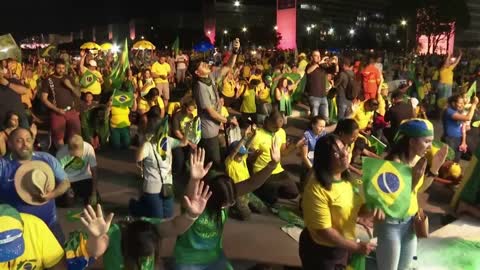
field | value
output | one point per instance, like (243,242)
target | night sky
(55,16)
(63,16)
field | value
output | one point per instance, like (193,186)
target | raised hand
(95,223)
(418,171)
(197,168)
(438,159)
(195,204)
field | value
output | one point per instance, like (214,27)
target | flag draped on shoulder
(87,79)
(293,78)
(387,185)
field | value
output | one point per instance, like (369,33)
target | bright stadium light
(115,48)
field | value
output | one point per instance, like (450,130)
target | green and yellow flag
(292,77)
(117,75)
(49,52)
(162,137)
(472,91)
(176,45)
(387,185)
(469,189)
(87,79)
(122,99)
(378,145)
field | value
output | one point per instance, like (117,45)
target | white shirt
(76,168)
(152,181)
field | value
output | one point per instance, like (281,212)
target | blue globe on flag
(388,182)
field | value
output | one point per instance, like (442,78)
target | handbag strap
(158,164)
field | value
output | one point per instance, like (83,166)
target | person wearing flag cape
(91,79)
(397,242)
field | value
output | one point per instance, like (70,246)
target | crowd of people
(209,133)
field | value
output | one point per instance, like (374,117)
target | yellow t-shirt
(263,141)
(223,112)
(446,75)
(120,117)
(336,208)
(248,102)
(148,85)
(161,69)
(255,77)
(413,209)
(27,98)
(362,117)
(42,249)
(237,170)
(228,89)
(96,87)
(263,93)
(144,105)
(32,82)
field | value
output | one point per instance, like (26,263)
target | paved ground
(258,240)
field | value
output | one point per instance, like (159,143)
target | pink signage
(287,23)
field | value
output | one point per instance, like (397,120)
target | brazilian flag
(194,131)
(469,189)
(387,185)
(76,251)
(49,52)
(292,77)
(378,145)
(122,98)
(117,75)
(87,79)
(472,91)
(161,137)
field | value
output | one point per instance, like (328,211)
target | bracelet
(189,217)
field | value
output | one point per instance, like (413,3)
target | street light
(313,25)
(351,32)
(236,3)
(244,29)
(275,28)
(208,32)
(308,29)
(403,22)
(398,41)
(225,32)
(330,31)
(143,37)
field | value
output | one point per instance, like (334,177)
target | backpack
(353,88)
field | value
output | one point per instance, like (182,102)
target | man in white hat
(79,162)
(30,181)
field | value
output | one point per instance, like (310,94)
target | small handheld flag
(387,185)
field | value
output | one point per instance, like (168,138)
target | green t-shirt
(113,257)
(202,243)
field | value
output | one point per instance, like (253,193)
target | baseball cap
(241,151)
(12,244)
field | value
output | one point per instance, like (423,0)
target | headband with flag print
(414,128)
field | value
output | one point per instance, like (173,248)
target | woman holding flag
(397,241)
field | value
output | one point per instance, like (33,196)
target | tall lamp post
(403,23)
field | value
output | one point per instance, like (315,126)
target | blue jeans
(318,106)
(344,109)
(454,143)
(220,264)
(152,205)
(397,244)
